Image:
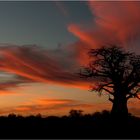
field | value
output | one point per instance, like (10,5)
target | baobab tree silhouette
(117,73)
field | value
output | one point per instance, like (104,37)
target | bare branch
(133,85)
(130,96)
(110,99)
(138,90)
(107,90)
(108,85)
(133,95)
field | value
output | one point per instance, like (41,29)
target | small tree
(117,73)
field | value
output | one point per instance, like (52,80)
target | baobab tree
(116,72)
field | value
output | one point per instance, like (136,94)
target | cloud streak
(48,107)
(37,65)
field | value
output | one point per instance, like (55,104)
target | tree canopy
(116,72)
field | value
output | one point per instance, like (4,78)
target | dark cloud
(36,64)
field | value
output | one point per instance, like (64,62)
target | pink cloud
(113,23)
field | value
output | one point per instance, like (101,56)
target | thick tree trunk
(119,108)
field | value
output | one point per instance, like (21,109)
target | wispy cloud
(37,64)
(49,107)
(111,25)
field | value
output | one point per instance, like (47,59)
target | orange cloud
(77,31)
(22,109)
(53,107)
(35,64)
(52,101)
(63,106)
(123,19)
(117,24)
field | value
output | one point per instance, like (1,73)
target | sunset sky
(44,44)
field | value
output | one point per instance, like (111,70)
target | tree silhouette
(117,73)
(75,113)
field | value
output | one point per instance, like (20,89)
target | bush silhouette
(75,113)
(97,125)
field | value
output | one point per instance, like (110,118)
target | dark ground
(98,125)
